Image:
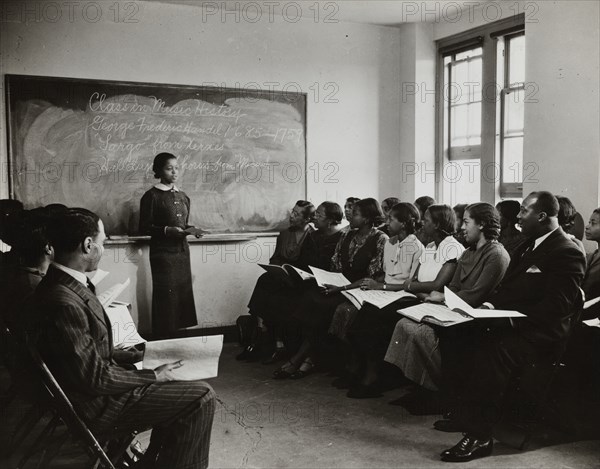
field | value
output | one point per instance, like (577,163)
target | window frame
(486,37)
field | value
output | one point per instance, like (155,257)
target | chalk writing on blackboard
(91,143)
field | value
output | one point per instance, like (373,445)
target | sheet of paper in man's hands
(200,356)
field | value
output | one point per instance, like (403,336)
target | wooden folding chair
(65,412)
(528,394)
(48,398)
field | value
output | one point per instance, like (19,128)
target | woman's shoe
(278,354)
(250,353)
(286,371)
(305,369)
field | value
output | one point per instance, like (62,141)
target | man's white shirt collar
(73,273)
(164,187)
(541,239)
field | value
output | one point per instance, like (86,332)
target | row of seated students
(49,303)
(537,270)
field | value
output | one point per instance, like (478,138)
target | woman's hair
(9,210)
(308,209)
(160,161)
(444,217)
(486,215)
(352,200)
(597,211)
(460,210)
(333,212)
(408,214)
(390,201)
(33,234)
(371,210)
(509,209)
(424,202)
(566,213)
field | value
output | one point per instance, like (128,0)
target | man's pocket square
(534,270)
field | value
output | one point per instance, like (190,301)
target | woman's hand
(197,232)
(435,297)
(175,232)
(370,284)
(331,289)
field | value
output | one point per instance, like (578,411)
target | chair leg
(50,452)
(116,454)
(50,426)
(24,428)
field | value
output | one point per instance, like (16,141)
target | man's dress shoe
(468,448)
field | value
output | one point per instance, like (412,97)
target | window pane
(469,53)
(462,181)
(475,72)
(474,131)
(517,60)
(515,112)
(460,121)
(512,162)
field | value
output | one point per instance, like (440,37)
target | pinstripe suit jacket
(74,337)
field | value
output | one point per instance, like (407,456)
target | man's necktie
(91,286)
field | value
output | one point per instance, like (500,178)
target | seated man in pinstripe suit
(74,337)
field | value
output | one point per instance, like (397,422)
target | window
(511,113)
(480,130)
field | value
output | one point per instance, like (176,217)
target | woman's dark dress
(354,261)
(172,294)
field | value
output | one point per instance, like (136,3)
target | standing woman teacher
(164,213)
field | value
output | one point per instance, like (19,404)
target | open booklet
(379,298)
(199,355)
(125,334)
(107,297)
(287,271)
(324,277)
(455,312)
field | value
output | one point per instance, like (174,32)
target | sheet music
(453,301)
(456,303)
(303,275)
(125,333)
(438,312)
(108,296)
(98,276)
(379,298)
(331,278)
(200,356)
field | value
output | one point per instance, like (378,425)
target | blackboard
(90,143)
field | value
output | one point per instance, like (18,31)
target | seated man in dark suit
(542,282)
(74,337)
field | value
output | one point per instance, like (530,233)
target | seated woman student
(386,206)
(358,254)
(583,351)
(372,330)
(288,250)
(459,211)
(348,207)
(428,354)
(566,219)
(317,251)
(401,258)
(510,236)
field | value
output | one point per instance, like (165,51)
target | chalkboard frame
(11,82)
